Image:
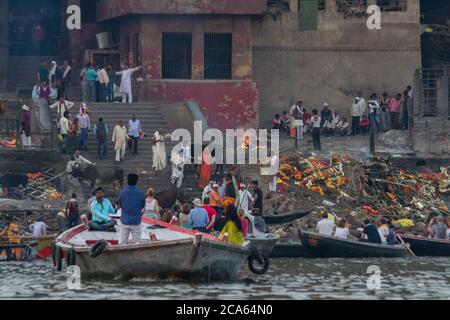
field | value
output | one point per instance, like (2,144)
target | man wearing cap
(198,217)
(132,201)
(325,114)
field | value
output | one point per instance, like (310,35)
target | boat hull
(329,247)
(168,260)
(289,250)
(427,247)
(264,245)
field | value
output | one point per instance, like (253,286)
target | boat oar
(407,247)
(33,249)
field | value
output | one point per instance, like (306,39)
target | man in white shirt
(64,131)
(78,162)
(207,190)
(62,106)
(325,226)
(245,198)
(38,228)
(357,112)
(316,124)
(103,79)
(373,109)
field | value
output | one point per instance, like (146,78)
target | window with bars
(392,5)
(177,55)
(321,5)
(343,5)
(278,3)
(218,55)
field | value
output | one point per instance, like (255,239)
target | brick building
(241,60)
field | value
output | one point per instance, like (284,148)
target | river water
(410,278)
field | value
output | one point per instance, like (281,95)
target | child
(342,127)
(364,126)
(276,122)
(316,120)
(285,122)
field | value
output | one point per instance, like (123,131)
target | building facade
(319,51)
(241,60)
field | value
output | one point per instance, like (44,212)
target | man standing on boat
(132,201)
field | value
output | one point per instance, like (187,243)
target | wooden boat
(289,250)
(43,244)
(422,246)
(264,245)
(18,252)
(286,218)
(176,253)
(330,247)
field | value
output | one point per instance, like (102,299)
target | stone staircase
(22,71)
(151,119)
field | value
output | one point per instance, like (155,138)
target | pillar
(4,43)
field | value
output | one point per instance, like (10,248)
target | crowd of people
(384,113)
(380,231)
(230,214)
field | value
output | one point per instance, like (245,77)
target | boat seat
(156,227)
(111,242)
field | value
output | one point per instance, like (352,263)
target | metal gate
(428,93)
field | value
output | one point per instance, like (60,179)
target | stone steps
(151,119)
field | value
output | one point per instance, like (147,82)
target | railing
(11,138)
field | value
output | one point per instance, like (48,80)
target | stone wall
(332,63)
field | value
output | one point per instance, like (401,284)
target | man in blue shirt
(134,130)
(198,217)
(132,201)
(101,208)
(92,76)
(371,231)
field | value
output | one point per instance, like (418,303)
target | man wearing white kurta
(159,152)
(120,139)
(177,161)
(125,83)
(245,198)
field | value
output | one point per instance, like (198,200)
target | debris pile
(356,190)
(40,187)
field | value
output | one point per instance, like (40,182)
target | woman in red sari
(205,170)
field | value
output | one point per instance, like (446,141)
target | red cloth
(210,211)
(364,123)
(244,224)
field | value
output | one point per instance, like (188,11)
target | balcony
(108,9)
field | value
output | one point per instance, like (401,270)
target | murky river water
(420,278)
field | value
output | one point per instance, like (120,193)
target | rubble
(355,190)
